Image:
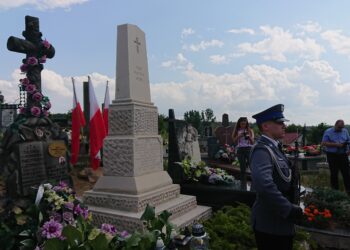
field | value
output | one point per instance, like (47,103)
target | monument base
(184,212)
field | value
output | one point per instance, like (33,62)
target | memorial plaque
(32,165)
(7,117)
(57,149)
(38,164)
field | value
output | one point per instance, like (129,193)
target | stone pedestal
(133,174)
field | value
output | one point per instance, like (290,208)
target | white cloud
(187,32)
(307,96)
(40,4)
(279,43)
(309,27)
(241,31)
(203,45)
(59,88)
(339,42)
(167,64)
(308,91)
(219,59)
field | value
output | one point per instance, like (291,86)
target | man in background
(336,141)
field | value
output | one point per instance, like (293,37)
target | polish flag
(78,121)
(106,108)
(97,128)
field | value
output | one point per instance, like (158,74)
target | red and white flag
(106,108)
(78,121)
(97,128)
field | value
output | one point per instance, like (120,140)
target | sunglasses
(279,122)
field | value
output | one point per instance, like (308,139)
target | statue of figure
(186,139)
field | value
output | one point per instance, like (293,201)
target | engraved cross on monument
(133,174)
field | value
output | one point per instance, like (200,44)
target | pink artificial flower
(46,44)
(46,113)
(30,88)
(22,110)
(43,59)
(35,111)
(37,96)
(24,68)
(48,105)
(32,60)
(24,81)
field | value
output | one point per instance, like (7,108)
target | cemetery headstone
(133,174)
(224,132)
(33,147)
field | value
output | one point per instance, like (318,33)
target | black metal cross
(137,44)
(32,46)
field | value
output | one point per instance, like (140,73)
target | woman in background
(243,137)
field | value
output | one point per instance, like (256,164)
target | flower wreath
(41,103)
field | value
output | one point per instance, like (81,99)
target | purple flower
(46,44)
(24,68)
(69,205)
(30,88)
(81,211)
(35,111)
(56,216)
(43,59)
(37,96)
(108,229)
(68,216)
(32,60)
(124,234)
(62,185)
(51,229)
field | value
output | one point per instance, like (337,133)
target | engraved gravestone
(133,174)
(36,164)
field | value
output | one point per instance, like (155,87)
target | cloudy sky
(235,57)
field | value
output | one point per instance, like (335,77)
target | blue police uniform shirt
(330,135)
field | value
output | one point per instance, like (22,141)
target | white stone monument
(133,174)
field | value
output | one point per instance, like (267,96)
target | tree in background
(163,127)
(294,128)
(315,134)
(208,116)
(194,117)
(200,120)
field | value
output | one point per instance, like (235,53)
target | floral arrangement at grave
(226,154)
(311,150)
(327,209)
(59,220)
(200,172)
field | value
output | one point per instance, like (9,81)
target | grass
(320,179)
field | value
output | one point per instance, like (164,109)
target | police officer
(273,213)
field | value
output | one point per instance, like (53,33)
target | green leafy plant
(230,228)
(336,201)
